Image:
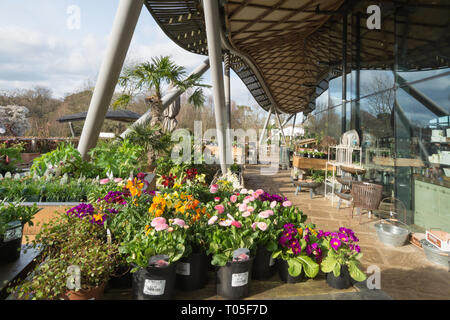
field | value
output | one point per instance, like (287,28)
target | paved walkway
(405,271)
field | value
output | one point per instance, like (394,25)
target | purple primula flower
(343,237)
(335,243)
(308,250)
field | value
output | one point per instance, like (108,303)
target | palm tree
(151,77)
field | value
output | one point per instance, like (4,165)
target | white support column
(122,32)
(265,127)
(279,124)
(212,22)
(293,127)
(169,98)
(227,88)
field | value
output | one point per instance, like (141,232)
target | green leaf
(276,254)
(271,246)
(355,272)
(295,267)
(219,260)
(328,264)
(337,270)
(310,266)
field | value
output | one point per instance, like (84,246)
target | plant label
(184,269)
(239,279)
(12,234)
(271,261)
(154,287)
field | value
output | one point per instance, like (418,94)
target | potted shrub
(295,260)
(75,263)
(341,262)
(153,254)
(226,234)
(13,217)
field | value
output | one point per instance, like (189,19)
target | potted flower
(13,217)
(295,262)
(75,263)
(153,254)
(341,262)
(227,233)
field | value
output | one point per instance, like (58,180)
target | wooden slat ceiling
(297,49)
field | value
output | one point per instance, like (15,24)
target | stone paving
(405,271)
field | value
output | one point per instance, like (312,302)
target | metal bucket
(436,255)
(391,235)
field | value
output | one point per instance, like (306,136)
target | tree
(150,77)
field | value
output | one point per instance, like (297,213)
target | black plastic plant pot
(342,282)
(11,243)
(122,278)
(264,266)
(154,283)
(192,272)
(233,279)
(283,272)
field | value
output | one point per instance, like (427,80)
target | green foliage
(15,211)
(69,241)
(64,159)
(10,157)
(143,246)
(120,159)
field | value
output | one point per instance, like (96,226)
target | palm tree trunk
(155,106)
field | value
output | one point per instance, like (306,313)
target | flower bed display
(167,237)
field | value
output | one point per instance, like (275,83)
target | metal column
(227,88)
(281,127)
(122,32)
(344,73)
(212,23)
(293,127)
(265,126)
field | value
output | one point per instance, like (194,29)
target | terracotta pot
(95,293)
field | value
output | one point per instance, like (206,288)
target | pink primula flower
(220,208)
(246,214)
(179,222)
(212,220)
(273,204)
(263,214)
(104,181)
(243,207)
(237,224)
(161,227)
(262,226)
(233,198)
(158,221)
(287,204)
(214,188)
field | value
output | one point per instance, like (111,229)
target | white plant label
(12,234)
(271,262)
(154,287)
(184,269)
(239,279)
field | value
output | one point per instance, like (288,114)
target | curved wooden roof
(286,51)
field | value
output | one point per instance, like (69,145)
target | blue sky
(39,49)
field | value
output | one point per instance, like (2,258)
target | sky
(41,44)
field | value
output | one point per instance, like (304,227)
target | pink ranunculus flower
(214,188)
(246,214)
(263,214)
(117,180)
(225,223)
(287,204)
(250,209)
(244,191)
(217,199)
(233,198)
(243,207)
(161,227)
(270,212)
(212,220)
(255,195)
(237,224)
(220,208)
(262,226)
(158,221)
(179,222)
(254,225)
(273,204)
(104,181)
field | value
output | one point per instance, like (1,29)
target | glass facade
(399,106)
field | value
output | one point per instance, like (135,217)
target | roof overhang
(286,51)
